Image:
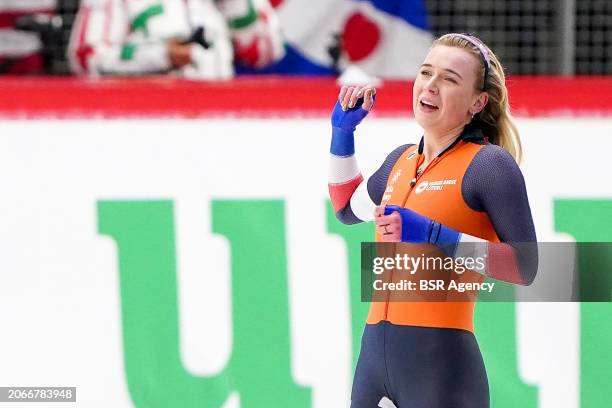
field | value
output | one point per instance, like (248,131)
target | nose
(431,85)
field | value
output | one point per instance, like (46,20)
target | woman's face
(444,94)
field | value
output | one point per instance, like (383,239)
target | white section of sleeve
(361,203)
(473,247)
(386,403)
(471,238)
(342,169)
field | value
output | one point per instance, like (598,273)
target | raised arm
(344,178)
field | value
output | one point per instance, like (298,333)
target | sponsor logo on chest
(437,185)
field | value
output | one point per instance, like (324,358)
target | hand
(416,228)
(388,226)
(349,97)
(178,53)
(354,103)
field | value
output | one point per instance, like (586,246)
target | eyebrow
(446,69)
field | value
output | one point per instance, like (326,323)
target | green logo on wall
(259,367)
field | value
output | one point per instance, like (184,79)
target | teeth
(429,104)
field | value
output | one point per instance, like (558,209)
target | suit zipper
(412,185)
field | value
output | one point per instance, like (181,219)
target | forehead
(457,59)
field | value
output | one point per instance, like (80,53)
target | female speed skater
(459,188)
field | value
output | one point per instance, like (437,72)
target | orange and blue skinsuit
(424,354)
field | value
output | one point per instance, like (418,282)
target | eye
(451,80)
(425,72)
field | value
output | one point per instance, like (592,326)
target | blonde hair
(499,124)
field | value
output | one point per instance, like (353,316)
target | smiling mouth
(428,107)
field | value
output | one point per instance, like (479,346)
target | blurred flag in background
(385,38)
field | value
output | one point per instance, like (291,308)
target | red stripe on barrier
(267,97)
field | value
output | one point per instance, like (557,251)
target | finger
(368,103)
(394,217)
(342,93)
(387,224)
(385,229)
(379,211)
(390,209)
(350,97)
(384,220)
(347,97)
(357,93)
(395,237)
(396,221)
(386,238)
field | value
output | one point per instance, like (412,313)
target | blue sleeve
(494,183)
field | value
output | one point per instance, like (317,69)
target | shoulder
(492,173)
(378,181)
(397,153)
(493,158)
(401,149)
(385,168)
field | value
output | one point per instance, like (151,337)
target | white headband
(481,48)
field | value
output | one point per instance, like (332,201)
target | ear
(480,103)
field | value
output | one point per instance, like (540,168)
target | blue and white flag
(384,38)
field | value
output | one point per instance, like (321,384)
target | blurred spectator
(20,51)
(194,38)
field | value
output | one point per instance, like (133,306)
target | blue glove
(344,124)
(417,228)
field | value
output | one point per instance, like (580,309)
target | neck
(436,142)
